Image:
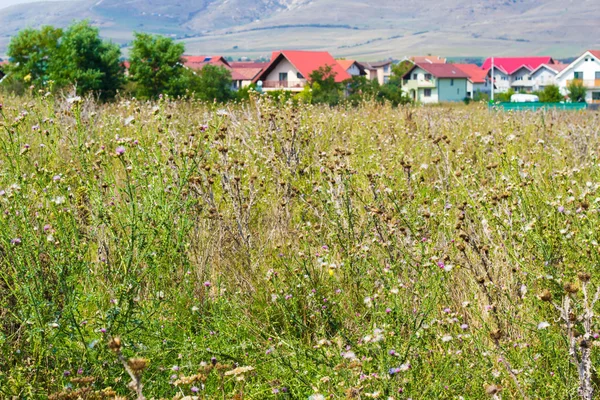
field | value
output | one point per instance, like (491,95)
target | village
(425,79)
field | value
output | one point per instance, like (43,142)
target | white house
(290,69)
(545,74)
(352,67)
(515,72)
(586,69)
(381,70)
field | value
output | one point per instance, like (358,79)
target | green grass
(369,252)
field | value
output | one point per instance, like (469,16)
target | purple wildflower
(120,150)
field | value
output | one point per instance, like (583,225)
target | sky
(7,3)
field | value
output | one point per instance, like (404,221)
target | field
(282,251)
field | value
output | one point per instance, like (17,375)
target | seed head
(496,334)
(137,365)
(571,288)
(115,344)
(546,295)
(584,277)
(491,390)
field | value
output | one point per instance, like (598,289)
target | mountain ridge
(355,28)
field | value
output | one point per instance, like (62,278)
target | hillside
(354,28)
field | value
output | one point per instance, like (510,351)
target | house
(198,62)
(435,83)
(514,72)
(427,60)
(242,74)
(381,70)
(290,69)
(354,68)
(586,69)
(247,70)
(544,75)
(478,80)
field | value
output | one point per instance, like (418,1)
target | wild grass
(269,250)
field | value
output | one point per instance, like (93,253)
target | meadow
(189,250)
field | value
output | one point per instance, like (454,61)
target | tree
(213,83)
(156,65)
(577,91)
(85,60)
(551,94)
(359,87)
(392,90)
(324,87)
(30,52)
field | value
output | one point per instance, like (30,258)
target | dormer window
(299,76)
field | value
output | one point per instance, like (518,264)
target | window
(519,78)
(457,91)
(578,75)
(386,68)
(451,82)
(386,79)
(415,77)
(596,96)
(587,59)
(597,75)
(427,77)
(427,93)
(299,76)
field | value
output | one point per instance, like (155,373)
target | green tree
(551,94)
(504,97)
(88,62)
(213,83)
(577,91)
(392,90)
(359,88)
(30,52)
(324,87)
(156,66)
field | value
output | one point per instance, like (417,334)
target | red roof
(595,53)
(247,74)
(248,64)
(440,70)
(198,62)
(475,72)
(512,64)
(306,62)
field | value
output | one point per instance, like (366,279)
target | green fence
(507,106)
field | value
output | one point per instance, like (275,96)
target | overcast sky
(6,3)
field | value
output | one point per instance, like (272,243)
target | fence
(533,106)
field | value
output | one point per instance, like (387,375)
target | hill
(353,28)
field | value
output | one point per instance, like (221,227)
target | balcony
(588,83)
(289,85)
(420,83)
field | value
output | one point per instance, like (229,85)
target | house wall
(284,66)
(427,100)
(415,88)
(589,69)
(451,91)
(384,73)
(353,70)
(502,81)
(542,77)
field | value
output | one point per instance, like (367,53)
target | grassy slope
(450,28)
(322,247)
